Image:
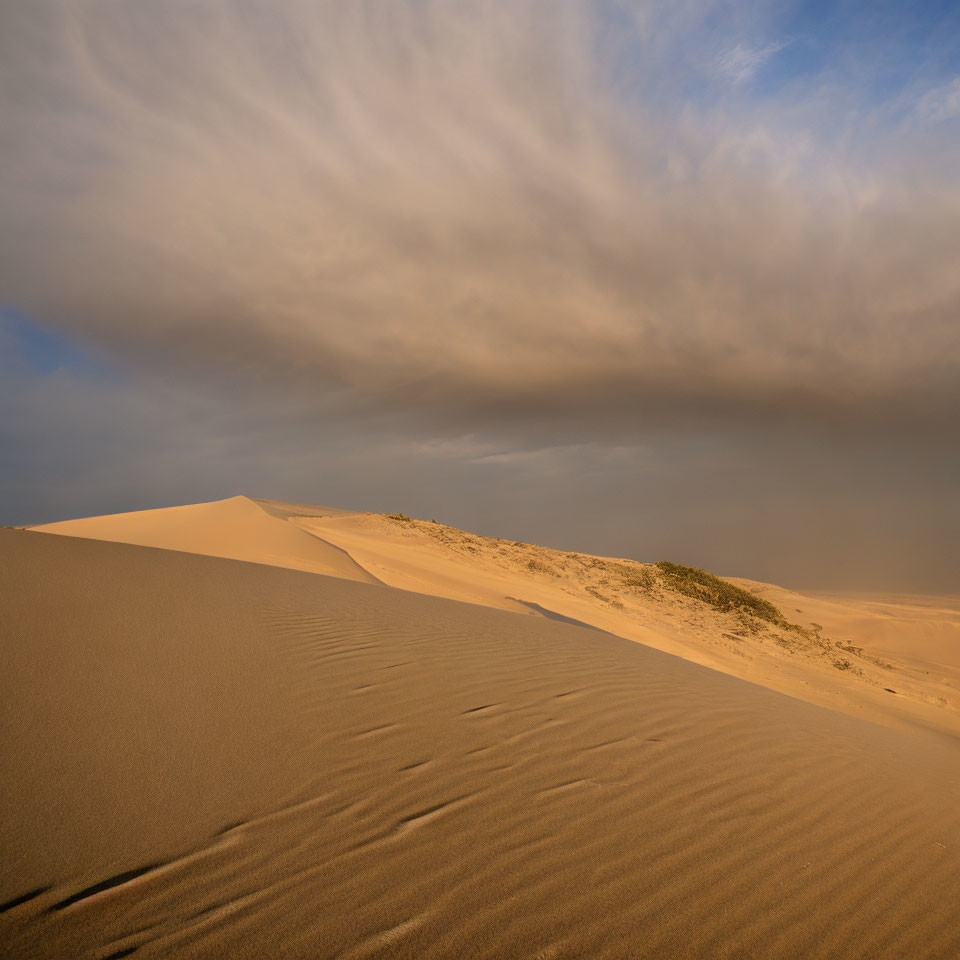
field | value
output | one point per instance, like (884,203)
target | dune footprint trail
(445,781)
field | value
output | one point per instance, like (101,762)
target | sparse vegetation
(847,665)
(748,624)
(702,602)
(858,652)
(538,566)
(849,648)
(697,583)
(616,604)
(637,577)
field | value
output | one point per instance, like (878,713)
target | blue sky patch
(44,350)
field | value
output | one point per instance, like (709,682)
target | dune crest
(236,528)
(885,668)
(896,664)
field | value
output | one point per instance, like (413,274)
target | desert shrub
(616,604)
(631,576)
(850,648)
(697,583)
(642,580)
(747,623)
(399,517)
(538,566)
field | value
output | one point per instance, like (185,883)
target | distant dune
(208,758)
(922,633)
(896,663)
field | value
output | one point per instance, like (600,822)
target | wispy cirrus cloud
(941,103)
(432,203)
(741,62)
(538,226)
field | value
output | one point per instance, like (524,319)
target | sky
(660,280)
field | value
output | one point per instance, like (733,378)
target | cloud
(941,103)
(530,268)
(446,206)
(740,63)
(805,510)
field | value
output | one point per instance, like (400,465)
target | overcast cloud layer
(618,247)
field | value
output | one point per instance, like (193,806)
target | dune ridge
(236,528)
(445,780)
(842,663)
(897,664)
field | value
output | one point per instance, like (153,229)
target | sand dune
(207,758)
(923,631)
(896,664)
(236,528)
(849,670)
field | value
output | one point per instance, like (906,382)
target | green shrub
(642,580)
(400,517)
(631,576)
(697,583)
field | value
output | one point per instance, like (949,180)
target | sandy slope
(920,631)
(236,528)
(898,664)
(431,558)
(312,767)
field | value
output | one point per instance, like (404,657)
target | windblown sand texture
(900,668)
(846,660)
(210,758)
